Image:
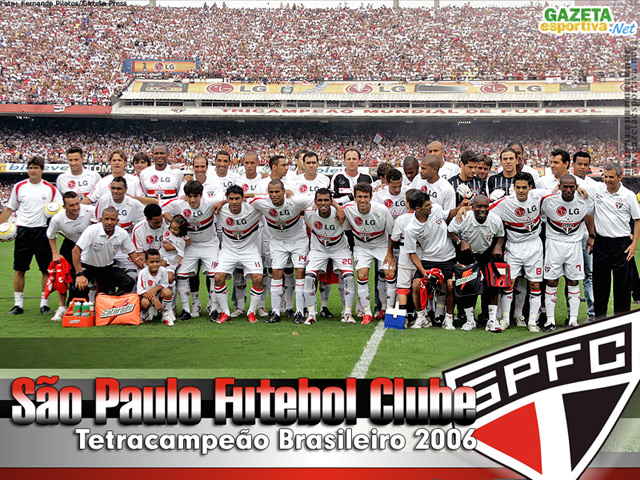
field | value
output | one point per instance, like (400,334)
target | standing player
(328,242)
(405,268)
(250,180)
(240,223)
(428,229)
(447,169)
(372,225)
(581,165)
(311,181)
(77,179)
(70,223)
(500,184)
(521,165)
(411,168)
(159,181)
(344,183)
(466,184)
(199,213)
(29,199)
(565,213)
(483,169)
(614,247)
(440,191)
(521,216)
(559,164)
(392,195)
(289,242)
(130,211)
(222,171)
(480,232)
(117,162)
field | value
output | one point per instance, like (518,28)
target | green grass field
(201,349)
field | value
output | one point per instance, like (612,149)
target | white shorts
(282,252)
(207,253)
(563,258)
(364,256)
(247,260)
(405,277)
(318,260)
(527,257)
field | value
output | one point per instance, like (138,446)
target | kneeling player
(154,291)
(328,242)
(240,223)
(372,225)
(566,213)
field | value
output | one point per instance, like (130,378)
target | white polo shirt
(28,200)
(98,250)
(70,229)
(103,186)
(81,184)
(478,235)
(613,211)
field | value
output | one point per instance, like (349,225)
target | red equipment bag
(498,274)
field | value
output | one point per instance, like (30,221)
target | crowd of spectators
(74,54)
(50,138)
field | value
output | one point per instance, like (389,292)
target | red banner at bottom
(306,473)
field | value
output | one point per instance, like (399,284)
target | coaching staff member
(614,247)
(29,199)
(94,253)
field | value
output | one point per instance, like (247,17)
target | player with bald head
(480,233)
(440,190)
(447,169)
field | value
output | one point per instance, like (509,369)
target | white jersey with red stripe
(229,179)
(285,222)
(395,203)
(326,233)
(239,230)
(440,191)
(130,211)
(29,200)
(144,237)
(162,184)
(301,186)
(251,185)
(370,230)
(565,219)
(201,225)
(102,187)
(521,219)
(81,184)
(432,236)
(398,234)
(147,281)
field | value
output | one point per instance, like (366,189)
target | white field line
(370,349)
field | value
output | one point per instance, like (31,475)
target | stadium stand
(74,54)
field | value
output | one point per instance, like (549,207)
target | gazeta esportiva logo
(561,20)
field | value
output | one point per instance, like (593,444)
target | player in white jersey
(240,224)
(153,288)
(149,233)
(77,179)
(222,173)
(70,223)
(566,213)
(440,190)
(130,211)
(289,241)
(524,252)
(428,230)
(199,213)
(118,162)
(309,183)
(371,225)
(480,233)
(160,181)
(174,242)
(448,170)
(404,266)
(392,195)
(328,242)
(28,199)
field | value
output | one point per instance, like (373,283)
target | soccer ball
(8,232)
(51,209)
